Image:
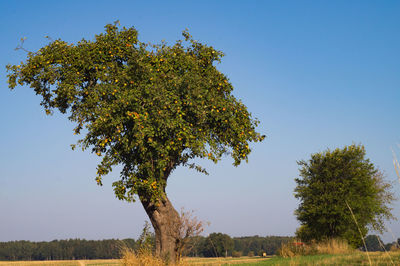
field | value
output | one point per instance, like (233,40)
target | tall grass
(334,246)
(396,164)
(359,230)
(131,258)
(330,246)
(144,257)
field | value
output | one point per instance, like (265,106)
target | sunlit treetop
(149,108)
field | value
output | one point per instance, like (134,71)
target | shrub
(236,254)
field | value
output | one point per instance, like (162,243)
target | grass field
(357,258)
(63,263)
(187,261)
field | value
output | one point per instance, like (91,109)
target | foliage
(63,249)
(329,182)
(218,245)
(260,245)
(149,108)
(201,246)
(373,243)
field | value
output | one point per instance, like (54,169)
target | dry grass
(224,261)
(354,258)
(109,262)
(331,246)
(130,258)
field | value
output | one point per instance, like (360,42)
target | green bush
(236,254)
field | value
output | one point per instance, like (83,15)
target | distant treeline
(221,245)
(63,249)
(216,244)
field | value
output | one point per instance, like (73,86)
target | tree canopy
(147,107)
(332,185)
(218,245)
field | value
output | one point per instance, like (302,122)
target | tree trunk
(165,220)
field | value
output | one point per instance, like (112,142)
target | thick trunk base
(165,220)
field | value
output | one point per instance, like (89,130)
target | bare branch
(189,226)
(20,46)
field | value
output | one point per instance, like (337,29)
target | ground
(357,258)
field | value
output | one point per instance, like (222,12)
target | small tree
(148,108)
(145,243)
(189,228)
(331,182)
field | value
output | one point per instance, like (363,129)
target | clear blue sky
(317,74)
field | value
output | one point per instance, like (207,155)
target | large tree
(149,108)
(342,194)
